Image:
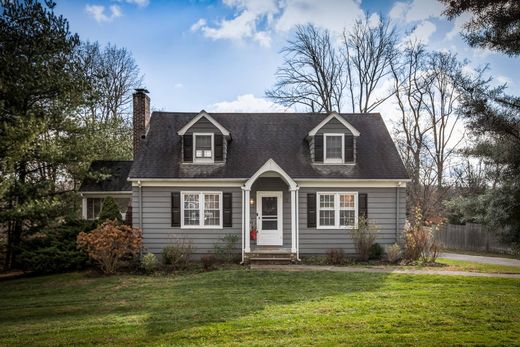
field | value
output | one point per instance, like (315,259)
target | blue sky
(222,55)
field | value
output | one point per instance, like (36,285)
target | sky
(222,56)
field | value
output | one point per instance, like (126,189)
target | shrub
(53,249)
(336,256)
(375,252)
(226,251)
(208,262)
(149,263)
(110,210)
(364,237)
(420,242)
(110,244)
(128,215)
(177,255)
(393,253)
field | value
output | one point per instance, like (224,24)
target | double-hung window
(203,147)
(334,148)
(201,210)
(337,210)
(94,206)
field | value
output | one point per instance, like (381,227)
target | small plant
(110,210)
(364,237)
(375,252)
(149,263)
(110,244)
(420,242)
(226,251)
(177,255)
(336,256)
(393,253)
(208,262)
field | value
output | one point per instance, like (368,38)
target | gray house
(302,180)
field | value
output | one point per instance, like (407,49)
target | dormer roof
(340,119)
(206,115)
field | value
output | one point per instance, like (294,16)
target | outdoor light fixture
(252,202)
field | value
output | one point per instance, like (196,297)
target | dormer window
(203,148)
(334,148)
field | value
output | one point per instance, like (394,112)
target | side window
(337,210)
(94,206)
(334,151)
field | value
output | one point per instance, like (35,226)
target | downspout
(397,212)
(298,225)
(243,231)
(140,213)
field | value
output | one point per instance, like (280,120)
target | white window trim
(204,160)
(337,210)
(201,210)
(335,160)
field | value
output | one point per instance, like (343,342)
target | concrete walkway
(481,259)
(296,268)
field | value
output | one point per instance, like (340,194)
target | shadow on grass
(224,296)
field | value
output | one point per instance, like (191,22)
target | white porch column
(297,224)
(293,220)
(84,207)
(247,225)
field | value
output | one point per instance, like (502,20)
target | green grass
(241,307)
(461,265)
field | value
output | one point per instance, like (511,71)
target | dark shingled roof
(256,137)
(116,182)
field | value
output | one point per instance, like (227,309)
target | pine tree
(110,210)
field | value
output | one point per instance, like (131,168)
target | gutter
(397,212)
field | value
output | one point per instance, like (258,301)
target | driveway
(481,259)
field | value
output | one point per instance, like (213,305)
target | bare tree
(114,75)
(311,74)
(442,97)
(410,90)
(369,50)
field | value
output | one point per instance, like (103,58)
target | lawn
(241,307)
(460,265)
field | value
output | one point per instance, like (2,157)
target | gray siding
(332,126)
(381,211)
(158,233)
(157,229)
(274,184)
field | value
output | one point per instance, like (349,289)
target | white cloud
(198,24)
(329,14)
(416,11)
(259,19)
(98,12)
(140,3)
(246,103)
(458,25)
(422,32)
(504,80)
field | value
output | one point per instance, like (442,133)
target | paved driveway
(481,259)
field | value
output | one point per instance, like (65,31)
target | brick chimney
(141,117)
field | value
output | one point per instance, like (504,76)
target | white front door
(269,218)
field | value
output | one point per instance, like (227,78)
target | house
(302,180)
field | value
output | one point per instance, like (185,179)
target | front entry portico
(270,212)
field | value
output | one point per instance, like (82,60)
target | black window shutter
(188,147)
(349,148)
(227,202)
(318,148)
(219,147)
(176,209)
(363,205)
(311,210)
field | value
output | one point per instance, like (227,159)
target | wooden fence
(470,237)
